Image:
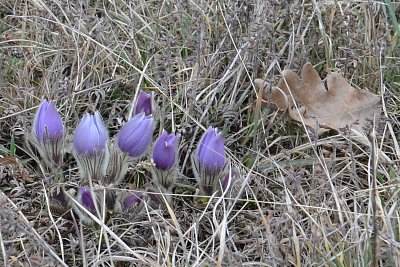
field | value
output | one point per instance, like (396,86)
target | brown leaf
(308,100)
(272,95)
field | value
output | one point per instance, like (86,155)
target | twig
(373,200)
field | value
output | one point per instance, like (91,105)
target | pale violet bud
(48,125)
(144,104)
(136,135)
(211,152)
(90,146)
(48,135)
(165,151)
(209,162)
(90,135)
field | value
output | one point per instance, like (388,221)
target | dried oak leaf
(339,107)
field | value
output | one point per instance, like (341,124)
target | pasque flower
(209,162)
(85,198)
(90,136)
(211,152)
(165,151)
(165,158)
(48,135)
(48,125)
(129,203)
(90,146)
(132,142)
(144,103)
(132,200)
(136,135)
(91,202)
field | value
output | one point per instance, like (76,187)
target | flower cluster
(103,162)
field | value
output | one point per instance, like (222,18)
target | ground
(298,199)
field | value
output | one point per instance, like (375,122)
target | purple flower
(86,199)
(144,104)
(165,151)
(211,152)
(47,123)
(136,135)
(48,135)
(90,135)
(131,200)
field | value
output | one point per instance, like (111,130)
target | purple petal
(86,199)
(164,152)
(127,130)
(207,138)
(144,103)
(132,199)
(211,151)
(136,135)
(101,129)
(90,135)
(47,123)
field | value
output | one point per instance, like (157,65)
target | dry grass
(298,201)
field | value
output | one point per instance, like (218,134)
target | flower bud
(136,135)
(48,135)
(165,158)
(211,152)
(165,151)
(48,125)
(132,200)
(144,103)
(85,198)
(92,202)
(90,136)
(90,140)
(209,162)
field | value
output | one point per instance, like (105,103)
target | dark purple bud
(155,198)
(131,200)
(136,135)
(90,135)
(47,123)
(211,152)
(85,199)
(165,151)
(144,104)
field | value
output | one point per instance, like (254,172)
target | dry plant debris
(339,106)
